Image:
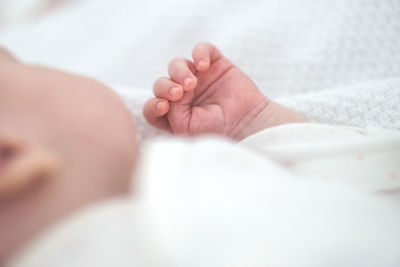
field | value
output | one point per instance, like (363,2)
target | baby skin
(210,95)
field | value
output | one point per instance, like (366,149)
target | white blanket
(293,195)
(335,62)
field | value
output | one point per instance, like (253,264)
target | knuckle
(176,61)
(178,67)
(203,45)
(158,81)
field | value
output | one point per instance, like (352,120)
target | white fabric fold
(292,195)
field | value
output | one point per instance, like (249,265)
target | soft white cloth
(293,195)
(333,61)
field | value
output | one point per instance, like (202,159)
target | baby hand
(209,95)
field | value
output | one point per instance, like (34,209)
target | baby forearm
(272,114)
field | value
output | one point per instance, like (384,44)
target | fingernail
(187,82)
(160,106)
(201,64)
(173,91)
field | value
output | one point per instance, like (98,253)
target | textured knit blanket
(335,62)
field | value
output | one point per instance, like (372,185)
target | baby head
(66,141)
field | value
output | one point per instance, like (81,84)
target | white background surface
(335,62)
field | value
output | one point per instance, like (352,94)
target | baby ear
(23,166)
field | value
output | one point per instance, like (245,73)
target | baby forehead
(6,55)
